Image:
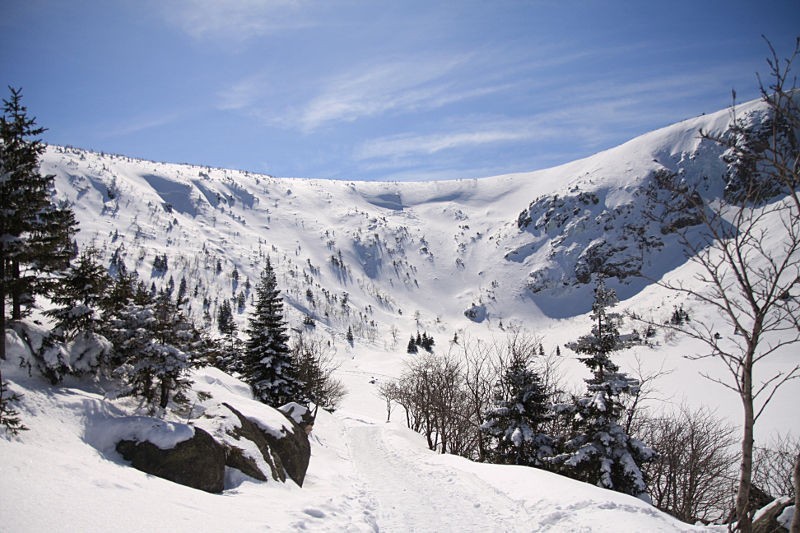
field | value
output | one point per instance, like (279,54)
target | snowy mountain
(470,258)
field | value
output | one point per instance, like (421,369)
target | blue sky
(352,89)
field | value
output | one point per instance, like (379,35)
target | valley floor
(365,475)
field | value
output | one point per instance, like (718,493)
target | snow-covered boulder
(772,518)
(197,462)
(286,451)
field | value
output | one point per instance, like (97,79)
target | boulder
(198,462)
(236,457)
(287,455)
(767,518)
(293,447)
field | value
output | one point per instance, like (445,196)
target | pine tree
(520,407)
(225,322)
(154,343)
(9,416)
(35,232)
(600,451)
(267,365)
(412,345)
(76,344)
(79,294)
(181,298)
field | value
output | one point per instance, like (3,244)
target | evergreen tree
(229,358)
(267,364)
(599,450)
(76,344)
(9,416)
(225,322)
(412,345)
(349,335)
(181,298)
(35,232)
(154,343)
(79,295)
(520,407)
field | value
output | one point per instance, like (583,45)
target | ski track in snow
(413,494)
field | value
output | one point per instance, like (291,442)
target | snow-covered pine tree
(599,450)
(267,362)
(35,233)
(412,345)
(225,322)
(153,342)
(9,416)
(80,291)
(520,407)
(229,351)
(75,343)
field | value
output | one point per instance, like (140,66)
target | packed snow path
(415,494)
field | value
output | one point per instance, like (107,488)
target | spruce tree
(35,232)
(600,451)
(412,345)
(76,344)
(229,356)
(154,344)
(79,294)
(225,322)
(520,407)
(267,364)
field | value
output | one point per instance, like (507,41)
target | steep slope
(386,260)
(507,245)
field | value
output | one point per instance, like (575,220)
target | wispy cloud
(395,87)
(235,20)
(399,146)
(139,124)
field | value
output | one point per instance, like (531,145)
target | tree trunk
(3,305)
(746,472)
(164,392)
(795,526)
(16,296)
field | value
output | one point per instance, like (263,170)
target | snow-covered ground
(365,475)
(387,260)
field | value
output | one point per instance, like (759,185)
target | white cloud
(399,146)
(138,124)
(237,20)
(398,86)
(372,91)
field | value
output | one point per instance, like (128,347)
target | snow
(415,257)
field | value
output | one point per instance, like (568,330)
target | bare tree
(693,476)
(479,375)
(773,465)
(313,359)
(748,254)
(634,404)
(796,519)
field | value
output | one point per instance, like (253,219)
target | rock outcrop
(198,462)
(262,453)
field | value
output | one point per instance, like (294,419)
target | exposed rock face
(767,522)
(261,453)
(301,415)
(610,232)
(198,462)
(287,455)
(294,448)
(236,458)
